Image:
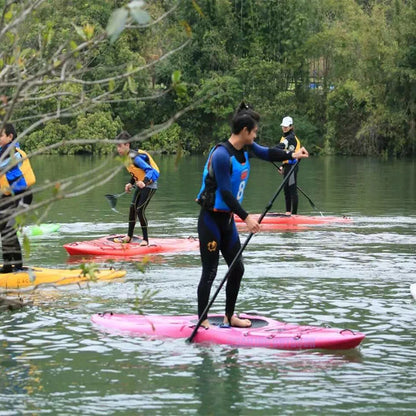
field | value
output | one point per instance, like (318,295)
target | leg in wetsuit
(217,232)
(141,199)
(12,251)
(291,189)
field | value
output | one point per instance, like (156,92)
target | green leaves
(89,270)
(137,13)
(119,18)
(178,85)
(86,32)
(116,24)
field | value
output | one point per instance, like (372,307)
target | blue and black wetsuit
(142,168)
(224,180)
(12,251)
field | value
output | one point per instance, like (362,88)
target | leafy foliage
(344,70)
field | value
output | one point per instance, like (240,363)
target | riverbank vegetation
(73,74)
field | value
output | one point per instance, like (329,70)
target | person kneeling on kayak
(144,175)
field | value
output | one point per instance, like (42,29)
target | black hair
(244,116)
(123,137)
(9,129)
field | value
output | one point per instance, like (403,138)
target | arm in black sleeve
(278,155)
(271,154)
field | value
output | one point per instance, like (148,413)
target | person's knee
(239,269)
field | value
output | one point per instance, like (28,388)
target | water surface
(355,275)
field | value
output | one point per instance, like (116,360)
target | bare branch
(124,75)
(27,10)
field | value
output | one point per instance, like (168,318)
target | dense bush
(345,71)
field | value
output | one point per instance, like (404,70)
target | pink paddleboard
(282,219)
(106,246)
(264,332)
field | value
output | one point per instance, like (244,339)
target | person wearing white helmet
(289,142)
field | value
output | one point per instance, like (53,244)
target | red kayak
(264,332)
(274,218)
(107,246)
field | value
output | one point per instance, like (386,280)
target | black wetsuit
(142,168)
(12,251)
(290,142)
(139,203)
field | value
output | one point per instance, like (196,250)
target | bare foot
(126,239)
(205,324)
(144,243)
(238,322)
(288,213)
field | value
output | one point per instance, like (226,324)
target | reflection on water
(355,275)
(218,384)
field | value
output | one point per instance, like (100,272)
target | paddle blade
(112,200)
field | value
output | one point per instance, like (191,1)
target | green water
(355,275)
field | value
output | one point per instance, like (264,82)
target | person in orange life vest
(289,142)
(224,180)
(15,179)
(144,175)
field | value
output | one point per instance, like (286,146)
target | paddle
(112,199)
(310,201)
(303,193)
(230,267)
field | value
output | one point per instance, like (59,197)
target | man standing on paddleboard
(144,175)
(224,180)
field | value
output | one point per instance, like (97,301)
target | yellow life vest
(25,168)
(137,173)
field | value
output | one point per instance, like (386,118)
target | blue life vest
(209,196)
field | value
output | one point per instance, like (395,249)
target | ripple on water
(354,276)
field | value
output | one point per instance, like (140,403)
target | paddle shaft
(230,267)
(302,192)
(112,199)
(119,195)
(306,196)
(125,192)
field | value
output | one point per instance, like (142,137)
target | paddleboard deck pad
(264,332)
(274,218)
(33,276)
(108,246)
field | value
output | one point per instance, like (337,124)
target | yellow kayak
(33,276)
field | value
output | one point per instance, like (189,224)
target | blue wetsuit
(216,227)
